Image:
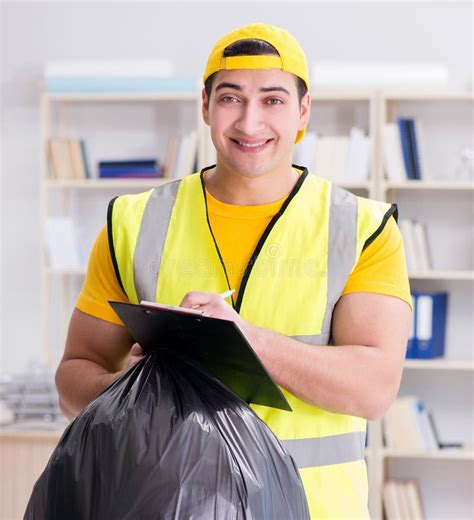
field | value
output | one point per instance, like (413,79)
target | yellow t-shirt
(237,229)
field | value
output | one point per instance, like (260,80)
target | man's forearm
(348,379)
(79,381)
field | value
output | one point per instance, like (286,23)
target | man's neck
(238,190)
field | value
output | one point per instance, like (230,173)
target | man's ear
(305,111)
(205,106)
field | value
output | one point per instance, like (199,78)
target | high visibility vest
(163,247)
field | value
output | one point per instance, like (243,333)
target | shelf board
(79,271)
(427,95)
(151,183)
(430,185)
(343,94)
(435,455)
(125,96)
(438,364)
(465,276)
(354,185)
(106,183)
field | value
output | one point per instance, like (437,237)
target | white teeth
(252,145)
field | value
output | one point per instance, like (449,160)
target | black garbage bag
(168,440)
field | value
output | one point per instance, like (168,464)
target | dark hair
(253,48)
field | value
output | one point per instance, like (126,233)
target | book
(130,168)
(429,438)
(423,156)
(406,149)
(414,148)
(412,493)
(67,158)
(409,245)
(60,159)
(422,251)
(401,500)
(391,501)
(154,174)
(394,166)
(77,159)
(330,157)
(407,426)
(357,163)
(431,315)
(60,243)
(186,153)
(135,163)
(415,243)
(401,427)
(85,159)
(216,344)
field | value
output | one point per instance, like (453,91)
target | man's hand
(212,305)
(136,353)
(97,353)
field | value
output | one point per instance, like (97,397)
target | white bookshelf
(106,184)
(448,275)
(430,185)
(448,454)
(439,364)
(444,203)
(334,111)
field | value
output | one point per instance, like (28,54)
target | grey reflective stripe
(313,339)
(342,247)
(325,451)
(151,240)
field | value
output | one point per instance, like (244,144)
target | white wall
(33,33)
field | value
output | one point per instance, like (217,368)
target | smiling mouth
(251,146)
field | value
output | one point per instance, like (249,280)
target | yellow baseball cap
(291,57)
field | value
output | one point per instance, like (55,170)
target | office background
(37,32)
(34,33)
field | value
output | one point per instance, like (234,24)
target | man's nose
(251,120)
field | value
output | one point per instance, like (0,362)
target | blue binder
(430,329)
(411,346)
(406,149)
(410,125)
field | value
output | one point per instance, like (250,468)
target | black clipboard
(215,343)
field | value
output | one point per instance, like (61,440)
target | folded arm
(358,375)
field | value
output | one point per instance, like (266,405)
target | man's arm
(97,353)
(358,375)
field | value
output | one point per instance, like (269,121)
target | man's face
(254,116)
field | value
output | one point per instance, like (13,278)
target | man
(321,287)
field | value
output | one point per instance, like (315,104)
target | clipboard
(217,344)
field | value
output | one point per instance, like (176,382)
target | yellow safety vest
(163,247)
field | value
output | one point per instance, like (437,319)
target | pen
(226,294)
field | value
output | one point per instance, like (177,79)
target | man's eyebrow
(228,85)
(239,88)
(274,89)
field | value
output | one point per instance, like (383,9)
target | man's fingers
(196,298)
(136,350)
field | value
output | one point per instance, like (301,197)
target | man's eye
(274,101)
(228,99)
